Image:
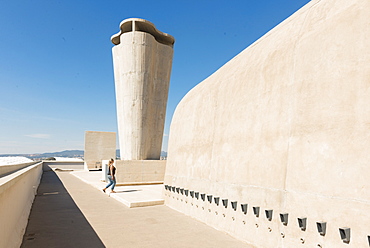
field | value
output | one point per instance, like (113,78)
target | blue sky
(56,73)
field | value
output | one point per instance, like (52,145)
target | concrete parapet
(64,165)
(17,192)
(130,172)
(8,169)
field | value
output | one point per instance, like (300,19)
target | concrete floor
(131,196)
(68,212)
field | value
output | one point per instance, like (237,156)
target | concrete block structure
(98,146)
(281,132)
(134,172)
(142,58)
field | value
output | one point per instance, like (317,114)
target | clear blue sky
(56,73)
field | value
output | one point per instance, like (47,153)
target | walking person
(111,176)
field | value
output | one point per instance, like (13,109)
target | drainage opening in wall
(268,213)
(256,211)
(302,223)
(284,218)
(345,234)
(244,208)
(321,228)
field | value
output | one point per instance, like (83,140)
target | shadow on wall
(54,212)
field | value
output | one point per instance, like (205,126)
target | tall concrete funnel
(142,59)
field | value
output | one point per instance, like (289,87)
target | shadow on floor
(55,219)
(129,190)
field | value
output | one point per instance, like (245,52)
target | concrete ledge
(140,183)
(17,192)
(8,169)
(130,204)
(64,165)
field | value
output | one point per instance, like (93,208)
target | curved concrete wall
(142,67)
(283,126)
(17,192)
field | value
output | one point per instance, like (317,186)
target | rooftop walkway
(68,212)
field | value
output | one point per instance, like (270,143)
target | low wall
(17,192)
(140,171)
(64,165)
(8,169)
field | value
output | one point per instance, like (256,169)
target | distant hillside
(66,154)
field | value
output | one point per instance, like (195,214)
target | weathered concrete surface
(98,146)
(70,213)
(131,196)
(285,126)
(17,192)
(8,169)
(142,61)
(140,171)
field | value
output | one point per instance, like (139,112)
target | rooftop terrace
(70,212)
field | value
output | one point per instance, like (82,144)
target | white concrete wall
(131,172)
(17,192)
(142,69)
(284,126)
(104,176)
